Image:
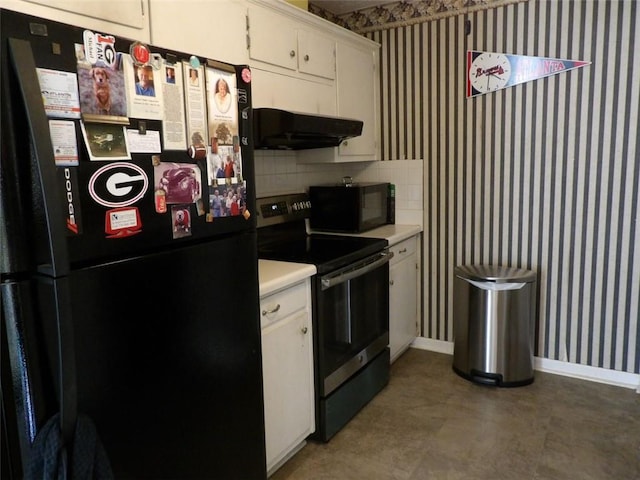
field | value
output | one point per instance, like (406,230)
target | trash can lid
(494,273)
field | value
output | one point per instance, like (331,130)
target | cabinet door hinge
(248,37)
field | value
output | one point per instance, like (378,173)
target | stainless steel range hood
(275,129)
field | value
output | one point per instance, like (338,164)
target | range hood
(275,129)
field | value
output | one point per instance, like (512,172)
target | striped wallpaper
(542,176)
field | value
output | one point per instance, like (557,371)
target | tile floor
(429,423)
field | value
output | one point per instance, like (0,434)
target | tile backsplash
(278,172)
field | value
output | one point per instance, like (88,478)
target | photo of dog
(101,89)
(181,219)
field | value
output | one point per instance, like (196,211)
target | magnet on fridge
(139,53)
(246,75)
(161,201)
(122,222)
(246,214)
(198,152)
(194,61)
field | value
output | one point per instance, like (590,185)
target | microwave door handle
(329,281)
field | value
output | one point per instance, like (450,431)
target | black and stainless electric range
(350,304)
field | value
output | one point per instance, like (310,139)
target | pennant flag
(490,71)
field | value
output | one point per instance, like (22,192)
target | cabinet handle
(404,250)
(273,310)
(306,58)
(292,53)
(304,330)
(390,282)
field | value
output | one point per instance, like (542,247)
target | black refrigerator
(129,285)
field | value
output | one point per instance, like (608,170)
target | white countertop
(275,275)
(393,233)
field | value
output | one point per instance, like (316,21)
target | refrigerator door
(167,360)
(72,216)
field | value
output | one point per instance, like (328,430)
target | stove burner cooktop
(326,252)
(282,236)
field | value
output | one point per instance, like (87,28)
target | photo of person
(216,203)
(225,167)
(193,77)
(171,74)
(229,171)
(222,105)
(228,200)
(222,96)
(144,81)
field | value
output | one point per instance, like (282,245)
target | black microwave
(350,207)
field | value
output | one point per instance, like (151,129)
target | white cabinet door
(358,97)
(288,385)
(126,18)
(316,54)
(211,29)
(277,39)
(273,38)
(403,296)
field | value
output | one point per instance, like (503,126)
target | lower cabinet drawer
(403,250)
(281,304)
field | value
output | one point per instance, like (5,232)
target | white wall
(277,172)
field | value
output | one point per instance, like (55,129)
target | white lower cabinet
(287,361)
(404,277)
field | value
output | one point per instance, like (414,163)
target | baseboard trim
(438,346)
(574,370)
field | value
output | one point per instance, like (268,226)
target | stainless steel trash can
(493,324)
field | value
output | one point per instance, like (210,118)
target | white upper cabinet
(280,40)
(211,29)
(125,18)
(357,97)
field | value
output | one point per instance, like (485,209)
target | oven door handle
(367,265)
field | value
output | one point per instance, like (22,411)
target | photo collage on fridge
(196,104)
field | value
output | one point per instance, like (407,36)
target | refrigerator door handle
(66,374)
(25,69)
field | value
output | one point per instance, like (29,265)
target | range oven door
(351,319)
